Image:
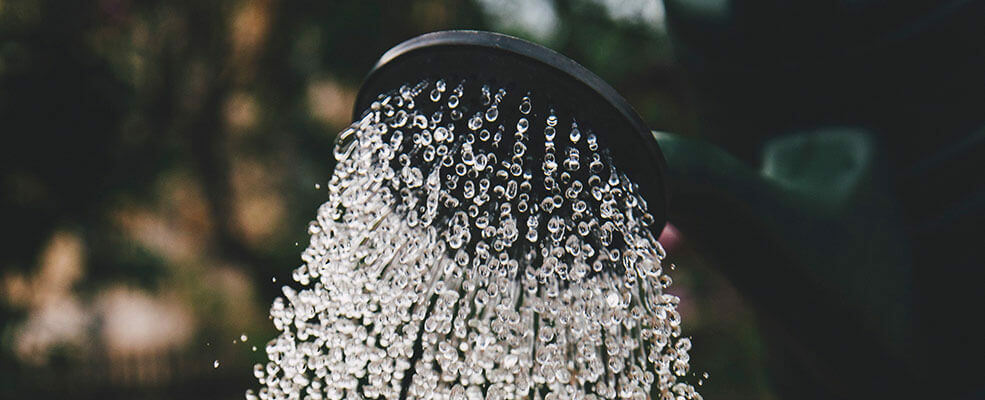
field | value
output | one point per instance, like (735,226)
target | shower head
(555,82)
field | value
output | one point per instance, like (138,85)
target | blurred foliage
(181,142)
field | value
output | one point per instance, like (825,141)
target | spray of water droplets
(465,256)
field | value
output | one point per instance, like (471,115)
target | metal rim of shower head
(517,63)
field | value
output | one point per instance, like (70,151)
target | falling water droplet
(476,122)
(345,143)
(575,135)
(522,124)
(492,113)
(525,106)
(612,299)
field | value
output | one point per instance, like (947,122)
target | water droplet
(344,144)
(492,113)
(522,124)
(486,95)
(612,299)
(476,122)
(525,106)
(593,143)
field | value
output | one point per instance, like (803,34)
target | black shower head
(554,82)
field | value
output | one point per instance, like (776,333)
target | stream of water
(476,252)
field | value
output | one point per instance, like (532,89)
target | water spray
(490,233)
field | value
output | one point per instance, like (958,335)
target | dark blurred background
(160,167)
(161,160)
